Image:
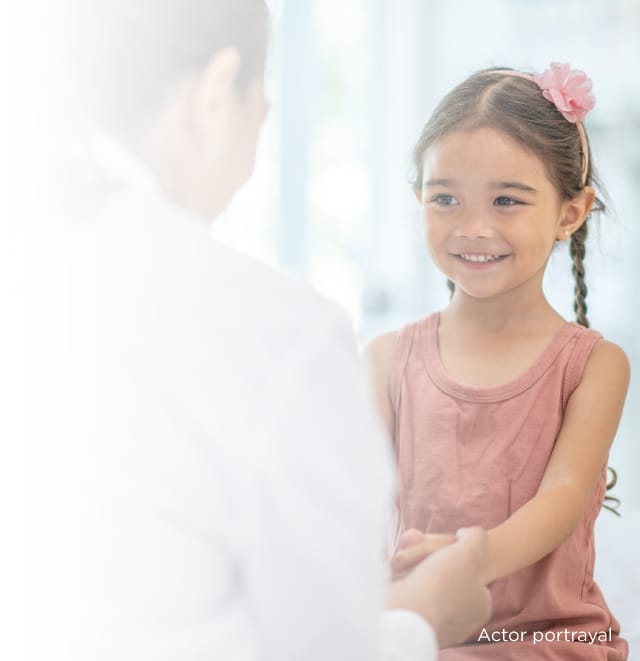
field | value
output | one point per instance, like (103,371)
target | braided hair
(577,251)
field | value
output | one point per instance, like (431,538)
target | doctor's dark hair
(516,106)
(125,55)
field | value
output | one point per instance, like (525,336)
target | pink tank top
(472,455)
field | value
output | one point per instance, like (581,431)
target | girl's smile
(482,260)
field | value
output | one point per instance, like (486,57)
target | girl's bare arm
(590,423)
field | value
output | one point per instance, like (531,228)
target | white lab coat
(208,474)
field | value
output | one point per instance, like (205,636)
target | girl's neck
(509,313)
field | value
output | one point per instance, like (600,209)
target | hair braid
(451,286)
(611,502)
(577,250)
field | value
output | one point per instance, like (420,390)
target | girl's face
(490,212)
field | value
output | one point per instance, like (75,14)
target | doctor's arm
(313,544)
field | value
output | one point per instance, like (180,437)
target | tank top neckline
(430,351)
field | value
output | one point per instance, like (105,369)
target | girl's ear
(418,193)
(574,212)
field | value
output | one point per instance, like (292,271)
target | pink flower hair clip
(570,92)
(568,89)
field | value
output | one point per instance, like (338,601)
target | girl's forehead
(481,153)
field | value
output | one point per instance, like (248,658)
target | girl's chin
(476,290)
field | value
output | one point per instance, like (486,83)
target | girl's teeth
(480,258)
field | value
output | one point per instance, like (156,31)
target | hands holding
(413,547)
(440,577)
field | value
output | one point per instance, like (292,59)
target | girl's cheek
(434,253)
(433,232)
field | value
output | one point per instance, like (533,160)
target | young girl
(501,411)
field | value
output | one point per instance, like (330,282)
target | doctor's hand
(413,547)
(447,588)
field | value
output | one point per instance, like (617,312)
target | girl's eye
(444,200)
(504,201)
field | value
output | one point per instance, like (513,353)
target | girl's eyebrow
(440,182)
(501,185)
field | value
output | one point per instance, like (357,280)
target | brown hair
(125,55)
(515,106)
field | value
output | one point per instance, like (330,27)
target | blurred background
(351,84)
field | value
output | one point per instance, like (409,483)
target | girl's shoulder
(600,354)
(384,355)
(606,358)
(381,350)
(378,356)
(597,366)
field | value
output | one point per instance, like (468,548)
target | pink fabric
(472,455)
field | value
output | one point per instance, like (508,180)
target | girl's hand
(414,546)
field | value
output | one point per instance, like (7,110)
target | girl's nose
(475,226)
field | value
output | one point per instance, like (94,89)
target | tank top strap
(401,351)
(586,339)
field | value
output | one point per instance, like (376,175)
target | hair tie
(570,92)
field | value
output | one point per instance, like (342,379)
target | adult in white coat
(221,480)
